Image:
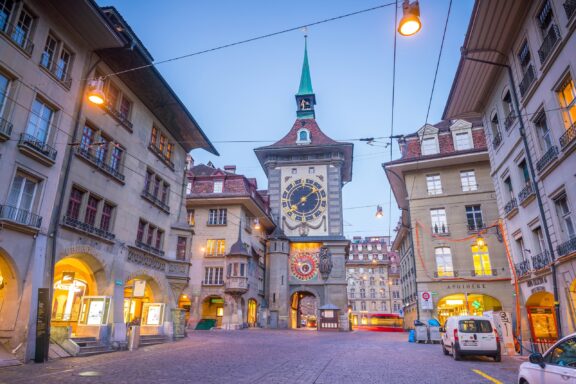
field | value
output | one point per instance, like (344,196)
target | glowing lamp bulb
(409,25)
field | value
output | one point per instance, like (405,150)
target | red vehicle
(383,322)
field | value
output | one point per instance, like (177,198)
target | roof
(278,234)
(238,248)
(493,27)
(305,80)
(317,137)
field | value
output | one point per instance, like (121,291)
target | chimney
(189,162)
(230,168)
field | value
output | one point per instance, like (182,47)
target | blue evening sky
(247,92)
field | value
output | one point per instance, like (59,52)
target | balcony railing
(56,72)
(568,136)
(550,41)
(497,140)
(18,36)
(156,201)
(87,228)
(98,163)
(526,192)
(476,227)
(569,8)
(523,268)
(148,248)
(489,272)
(5,129)
(567,247)
(236,284)
(550,155)
(20,216)
(178,269)
(510,118)
(440,229)
(161,155)
(510,206)
(38,146)
(119,117)
(527,80)
(541,260)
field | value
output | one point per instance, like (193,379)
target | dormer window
(429,146)
(303,136)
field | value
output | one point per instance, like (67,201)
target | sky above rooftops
(246,92)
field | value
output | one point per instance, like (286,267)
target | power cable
(392,117)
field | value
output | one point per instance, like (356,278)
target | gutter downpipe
(464,53)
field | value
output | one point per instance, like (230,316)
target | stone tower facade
(306,170)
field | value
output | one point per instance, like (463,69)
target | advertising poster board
(503,323)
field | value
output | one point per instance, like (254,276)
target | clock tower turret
(305,98)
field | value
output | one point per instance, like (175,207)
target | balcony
(522,268)
(87,228)
(567,247)
(160,154)
(550,40)
(119,117)
(550,155)
(37,149)
(541,260)
(568,136)
(527,194)
(236,285)
(497,140)
(527,80)
(440,229)
(98,163)
(148,248)
(476,227)
(19,216)
(490,272)
(156,201)
(178,270)
(5,129)
(511,207)
(17,36)
(510,118)
(569,8)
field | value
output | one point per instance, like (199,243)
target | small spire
(305,80)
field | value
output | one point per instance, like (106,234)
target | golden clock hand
(304,198)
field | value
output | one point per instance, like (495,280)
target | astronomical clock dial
(304,200)
(304,266)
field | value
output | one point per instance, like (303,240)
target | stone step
(153,339)
(90,353)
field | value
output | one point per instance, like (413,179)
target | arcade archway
(252,319)
(303,310)
(542,318)
(9,293)
(473,304)
(212,311)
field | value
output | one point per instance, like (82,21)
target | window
(140,233)
(524,56)
(303,136)
(165,193)
(116,158)
(237,270)
(101,151)
(362,305)
(191,218)
(74,203)
(362,293)
(23,192)
(468,181)
(159,143)
(217,216)
(429,146)
(462,141)
(565,217)
(294,171)
(520,248)
(215,247)
(63,65)
(444,261)
(4,87)
(311,170)
(352,293)
(125,107)
(372,293)
(56,58)
(543,132)
(434,184)
(106,218)
(563,355)
(218,186)
(508,187)
(508,111)
(40,120)
(49,53)
(494,126)
(567,98)
(474,217)
(112,96)
(150,234)
(214,276)
(439,223)
(482,266)
(395,294)
(5,11)
(159,238)
(538,240)
(23,29)
(91,209)
(524,173)
(87,138)
(373,306)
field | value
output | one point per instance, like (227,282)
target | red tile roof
(317,137)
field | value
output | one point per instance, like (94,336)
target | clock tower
(306,171)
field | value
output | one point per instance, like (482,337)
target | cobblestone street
(263,356)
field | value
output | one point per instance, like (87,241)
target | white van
(470,335)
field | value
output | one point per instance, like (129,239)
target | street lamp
(95,92)
(379,212)
(480,242)
(410,23)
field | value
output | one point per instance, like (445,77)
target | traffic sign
(426,301)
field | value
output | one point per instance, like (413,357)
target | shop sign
(537,281)
(426,300)
(538,289)
(139,288)
(67,278)
(466,286)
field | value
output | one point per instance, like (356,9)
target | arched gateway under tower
(306,171)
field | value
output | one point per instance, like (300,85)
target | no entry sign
(426,300)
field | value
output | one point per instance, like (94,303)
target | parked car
(557,365)
(470,335)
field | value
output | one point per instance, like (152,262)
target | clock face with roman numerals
(304,200)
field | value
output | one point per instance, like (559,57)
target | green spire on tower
(305,80)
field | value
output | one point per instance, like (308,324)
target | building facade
(537,44)
(306,171)
(373,276)
(82,246)
(231,219)
(452,256)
